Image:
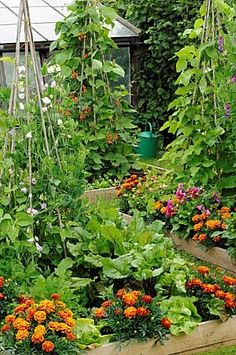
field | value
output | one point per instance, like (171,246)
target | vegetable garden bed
(207,335)
(216,256)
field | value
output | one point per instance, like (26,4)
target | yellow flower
(40,316)
(21,335)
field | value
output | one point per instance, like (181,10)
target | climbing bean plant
(94,101)
(204,109)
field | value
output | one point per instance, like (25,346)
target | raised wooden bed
(93,195)
(207,336)
(215,256)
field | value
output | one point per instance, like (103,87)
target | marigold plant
(132,314)
(36,328)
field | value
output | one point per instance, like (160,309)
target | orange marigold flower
(217,239)
(203,270)
(30,313)
(163,210)
(48,346)
(193,282)
(40,329)
(196,218)
(54,326)
(71,336)
(21,308)
(204,216)
(21,335)
(60,304)
(120,293)
(230,304)
(220,294)
(130,298)
(213,224)
(40,316)
(195,237)
(5,328)
(130,312)
(106,304)
(100,312)
(47,306)
(55,296)
(225,209)
(142,311)
(10,318)
(37,338)
(147,299)
(21,324)
(1,281)
(202,237)
(166,323)
(229,296)
(158,205)
(197,227)
(230,281)
(226,215)
(70,321)
(208,288)
(67,313)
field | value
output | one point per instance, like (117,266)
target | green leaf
(23,219)
(181,65)
(63,266)
(66,71)
(118,268)
(108,12)
(96,64)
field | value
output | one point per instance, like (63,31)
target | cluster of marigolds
(129,184)
(41,323)
(130,305)
(219,291)
(204,224)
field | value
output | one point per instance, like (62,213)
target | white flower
(44,206)
(29,135)
(21,96)
(21,106)
(44,109)
(22,69)
(59,122)
(51,69)
(33,181)
(45,87)
(57,68)
(53,84)
(46,100)
(39,247)
(32,211)
(21,88)
(31,241)
(24,190)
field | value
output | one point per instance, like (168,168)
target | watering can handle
(150,127)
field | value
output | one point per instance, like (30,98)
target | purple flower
(180,194)
(221,44)
(170,209)
(200,207)
(194,192)
(227,110)
(233,79)
(216,197)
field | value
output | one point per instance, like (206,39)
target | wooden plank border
(206,336)
(93,195)
(215,256)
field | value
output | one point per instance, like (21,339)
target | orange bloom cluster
(213,224)
(158,205)
(230,281)
(225,212)
(37,321)
(130,304)
(200,237)
(203,270)
(128,184)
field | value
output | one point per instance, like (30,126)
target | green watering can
(147,147)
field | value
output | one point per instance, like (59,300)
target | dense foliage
(203,152)
(161,24)
(103,115)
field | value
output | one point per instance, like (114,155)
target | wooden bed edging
(215,256)
(93,195)
(206,336)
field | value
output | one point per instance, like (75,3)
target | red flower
(147,299)
(230,281)
(55,296)
(1,281)
(106,304)
(230,304)
(2,297)
(142,311)
(208,288)
(220,294)
(166,323)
